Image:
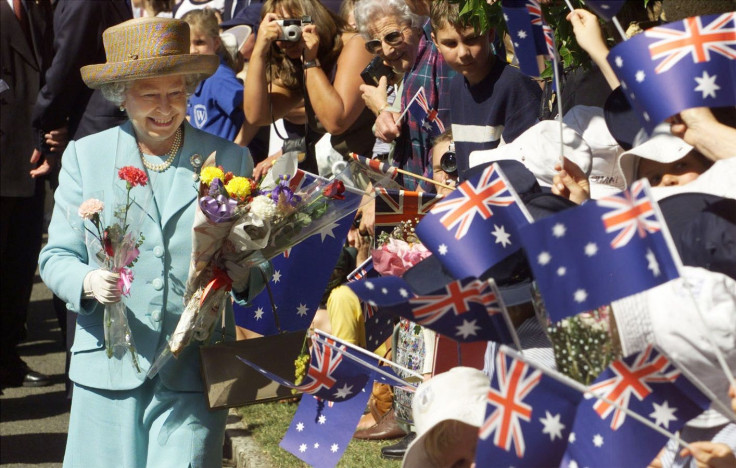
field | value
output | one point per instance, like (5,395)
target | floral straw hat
(147,48)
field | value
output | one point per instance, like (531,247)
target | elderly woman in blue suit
(120,418)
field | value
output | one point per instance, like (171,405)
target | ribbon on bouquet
(218,209)
(221,280)
(125,280)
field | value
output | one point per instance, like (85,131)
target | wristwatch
(310,64)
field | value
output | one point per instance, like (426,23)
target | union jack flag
(630,211)
(491,190)
(696,40)
(629,380)
(396,206)
(377,166)
(325,361)
(455,298)
(513,385)
(525,24)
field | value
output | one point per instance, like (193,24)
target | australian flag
(428,117)
(395,206)
(529,32)
(331,375)
(601,251)
(647,384)
(321,430)
(477,225)
(529,416)
(299,278)
(464,310)
(377,166)
(606,9)
(679,65)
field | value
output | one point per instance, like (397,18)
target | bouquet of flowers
(399,250)
(117,246)
(238,225)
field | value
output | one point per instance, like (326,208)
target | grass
(268,422)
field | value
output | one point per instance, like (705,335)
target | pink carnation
(89,208)
(397,256)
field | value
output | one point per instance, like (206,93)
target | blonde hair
(205,20)
(329,27)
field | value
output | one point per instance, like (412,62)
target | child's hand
(571,182)
(587,31)
(710,455)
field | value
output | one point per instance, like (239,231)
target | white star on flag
(558,230)
(544,258)
(640,75)
(403,292)
(591,249)
(442,249)
(522,34)
(276,276)
(316,445)
(580,295)
(322,419)
(598,440)
(327,231)
(303,448)
(707,85)
(502,237)
(259,313)
(561,271)
(652,263)
(300,426)
(344,391)
(467,328)
(301,311)
(619,62)
(571,438)
(552,425)
(663,414)
(369,285)
(334,448)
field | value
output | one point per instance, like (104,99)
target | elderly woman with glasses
(399,33)
(119,417)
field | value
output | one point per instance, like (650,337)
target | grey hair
(115,91)
(368,11)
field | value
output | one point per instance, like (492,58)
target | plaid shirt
(412,149)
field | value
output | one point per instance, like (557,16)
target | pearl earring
(122,108)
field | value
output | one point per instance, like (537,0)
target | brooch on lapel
(196,161)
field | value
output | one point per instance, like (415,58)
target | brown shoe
(366,422)
(387,428)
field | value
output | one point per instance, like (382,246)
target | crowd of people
(159,84)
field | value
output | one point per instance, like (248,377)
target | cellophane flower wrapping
(117,246)
(239,225)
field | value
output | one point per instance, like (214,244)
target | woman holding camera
(319,65)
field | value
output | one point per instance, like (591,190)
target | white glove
(103,286)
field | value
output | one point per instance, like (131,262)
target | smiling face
(465,51)
(156,107)
(680,172)
(400,57)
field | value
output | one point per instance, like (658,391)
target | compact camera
(375,70)
(291,29)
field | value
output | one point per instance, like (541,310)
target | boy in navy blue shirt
(489,100)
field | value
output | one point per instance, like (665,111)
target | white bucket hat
(662,146)
(538,149)
(458,394)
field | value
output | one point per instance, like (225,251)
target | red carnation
(335,190)
(133,176)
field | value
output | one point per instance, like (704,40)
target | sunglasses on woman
(394,38)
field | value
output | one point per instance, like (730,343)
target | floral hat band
(147,48)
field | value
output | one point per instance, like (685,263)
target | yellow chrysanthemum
(238,187)
(211,173)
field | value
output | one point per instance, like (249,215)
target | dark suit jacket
(65,99)
(22,66)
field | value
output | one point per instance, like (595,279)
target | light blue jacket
(89,167)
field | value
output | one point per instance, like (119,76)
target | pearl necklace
(161,167)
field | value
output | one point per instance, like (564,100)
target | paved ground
(34,421)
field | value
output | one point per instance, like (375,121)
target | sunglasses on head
(393,38)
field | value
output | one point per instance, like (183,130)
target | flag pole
(368,353)
(426,179)
(619,28)
(569,5)
(565,380)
